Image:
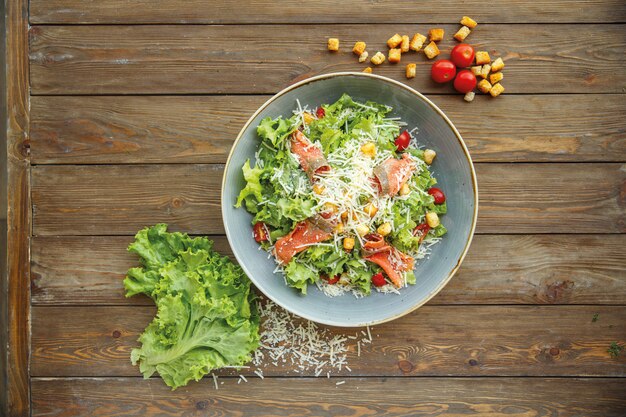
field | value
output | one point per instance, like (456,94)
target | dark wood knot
(405,366)
(116,334)
(201,405)
(473,362)
(554,351)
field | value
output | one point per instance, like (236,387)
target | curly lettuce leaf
(206,313)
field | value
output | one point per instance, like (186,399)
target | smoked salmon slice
(390,259)
(393,173)
(306,233)
(311,157)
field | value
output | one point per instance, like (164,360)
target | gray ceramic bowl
(452,167)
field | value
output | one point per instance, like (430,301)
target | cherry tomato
(439,196)
(462,55)
(378,280)
(421,231)
(331,281)
(402,141)
(443,71)
(320,112)
(465,81)
(260,232)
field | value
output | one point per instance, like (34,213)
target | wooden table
(121,115)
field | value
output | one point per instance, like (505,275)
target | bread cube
(378,59)
(496,90)
(495,77)
(417,42)
(482,57)
(431,50)
(476,70)
(359,48)
(462,33)
(368,70)
(394,41)
(395,55)
(497,65)
(333,44)
(469,97)
(410,70)
(435,35)
(484,71)
(404,46)
(484,86)
(469,22)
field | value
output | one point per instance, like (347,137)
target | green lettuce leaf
(253,184)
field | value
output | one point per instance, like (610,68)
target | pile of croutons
(400,44)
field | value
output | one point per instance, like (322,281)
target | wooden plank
(14,374)
(121,199)
(515,397)
(200,129)
(499,269)
(233,59)
(434,340)
(300,12)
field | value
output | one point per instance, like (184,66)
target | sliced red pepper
(438,195)
(261,234)
(421,231)
(378,280)
(320,112)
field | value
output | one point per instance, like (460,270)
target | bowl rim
(434,107)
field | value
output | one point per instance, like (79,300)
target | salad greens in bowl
(349,199)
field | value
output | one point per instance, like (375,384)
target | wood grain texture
(358,397)
(14,374)
(201,129)
(122,199)
(499,269)
(322,11)
(434,340)
(165,59)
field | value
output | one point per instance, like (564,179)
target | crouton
(484,71)
(435,35)
(363,56)
(368,70)
(333,44)
(497,65)
(410,70)
(495,77)
(496,90)
(469,22)
(462,33)
(394,41)
(482,57)
(395,55)
(359,48)
(484,86)
(417,42)
(477,70)
(431,50)
(378,59)
(404,46)
(469,97)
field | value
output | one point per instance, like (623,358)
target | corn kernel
(405,189)
(371,209)
(432,219)
(318,189)
(339,228)
(369,149)
(362,229)
(429,155)
(308,117)
(348,243)
(384,229)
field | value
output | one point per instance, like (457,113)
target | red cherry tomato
(465,81)
(403,140)
(379,280)
(443,71)
(438,195)
(462,55)
(421,231)
(261,233)
(320,112)
(331,281)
